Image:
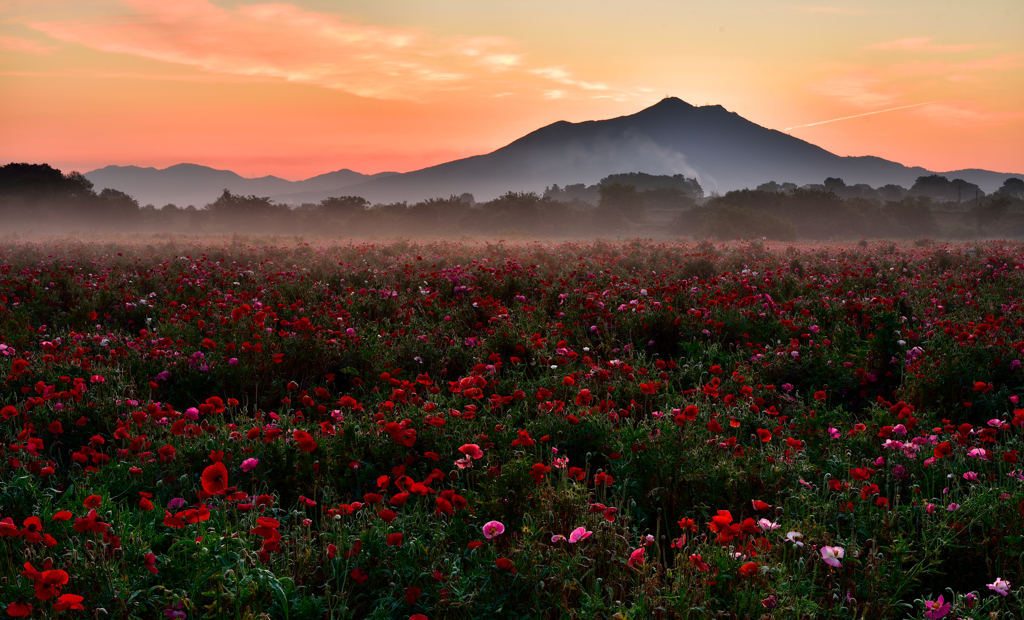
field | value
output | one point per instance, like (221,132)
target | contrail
(914,105)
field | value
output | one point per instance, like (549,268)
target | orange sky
(305,87)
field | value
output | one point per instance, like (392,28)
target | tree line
(41,198)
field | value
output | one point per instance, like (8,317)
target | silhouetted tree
(990,211)
(1013,187)
(938,187)
(643,181)
(668,198)
(914,214)
(344,205)
(835,184)
(619,205)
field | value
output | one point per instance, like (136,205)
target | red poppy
(215,479)
(523,440)
(388,515)
(698,562)
(33,530)
(476,544)
(764,434)
(444,506)
(8,528)
(399,499)
(93,501)
(358,576)
(749,569)
(68,601)
(395,540)
(305,441)
(943,449)
(90,523)
(538,471)
(861,473)
(411,594)
(506,564)
(20,610)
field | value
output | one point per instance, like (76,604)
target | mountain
(191,184)
(722,149)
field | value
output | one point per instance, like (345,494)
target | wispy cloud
(25,46)
(560,75)
(284,42)
(895,86)
(830,10)
(965,112)
(920,44)
(861,89)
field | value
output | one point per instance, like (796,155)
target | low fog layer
(39,198)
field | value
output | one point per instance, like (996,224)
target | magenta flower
(1000,586)
(832,555)
(579,534)
(936,609)
(492,529)
(249,465)
(637,557)
(767,525)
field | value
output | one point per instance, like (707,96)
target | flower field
(236,428)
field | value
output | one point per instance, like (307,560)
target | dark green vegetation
(224,429)
(38,198)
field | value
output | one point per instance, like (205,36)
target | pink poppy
(492,529)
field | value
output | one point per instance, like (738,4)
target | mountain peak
(669,104)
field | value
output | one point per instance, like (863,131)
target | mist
(37,198)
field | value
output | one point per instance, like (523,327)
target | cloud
(920,44)
(283,42)
(25,46)
(863,90)
(888,86)
(1003,62)
(965,112)
(829,10)
(560,75)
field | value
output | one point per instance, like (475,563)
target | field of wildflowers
(236,428)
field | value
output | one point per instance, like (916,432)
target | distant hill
(723,150)
(191,184)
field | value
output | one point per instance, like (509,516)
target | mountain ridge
(193,184)
(720,148)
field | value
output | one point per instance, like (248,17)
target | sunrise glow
(301,88)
